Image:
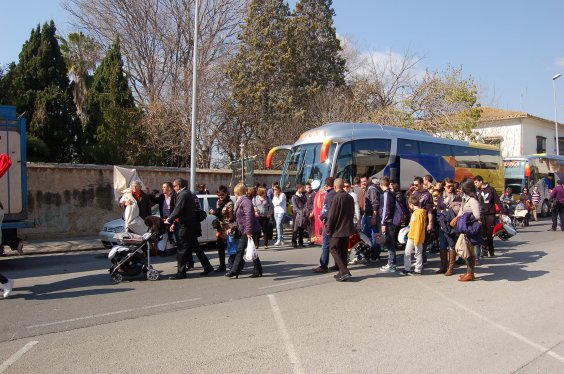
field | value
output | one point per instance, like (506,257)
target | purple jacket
(245,218)
(558,194)
(469,226)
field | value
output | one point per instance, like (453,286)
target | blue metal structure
(10,126)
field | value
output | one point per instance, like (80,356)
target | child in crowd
(415,238)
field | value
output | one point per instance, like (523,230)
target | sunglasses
(449,186)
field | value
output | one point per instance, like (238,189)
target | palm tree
(82,54)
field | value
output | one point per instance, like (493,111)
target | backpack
(401,214)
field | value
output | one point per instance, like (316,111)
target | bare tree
(157,43)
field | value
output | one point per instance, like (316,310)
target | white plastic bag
(251,251)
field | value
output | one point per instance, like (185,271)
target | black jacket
(161,200)
(185,211)
(490,199)
(340,219)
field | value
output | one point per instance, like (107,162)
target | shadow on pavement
(70,288)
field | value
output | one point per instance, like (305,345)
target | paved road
(67,316)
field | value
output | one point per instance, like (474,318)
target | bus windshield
(303,165)
(514,169)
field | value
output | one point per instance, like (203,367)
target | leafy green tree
(38,85)
(319,63)
(261,73)
(112,136)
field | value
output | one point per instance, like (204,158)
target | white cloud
(559,61)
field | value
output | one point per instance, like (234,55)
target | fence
(66,200)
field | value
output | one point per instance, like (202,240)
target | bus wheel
(544,209)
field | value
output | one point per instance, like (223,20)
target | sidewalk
(35,247)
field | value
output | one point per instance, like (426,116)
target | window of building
(541,144)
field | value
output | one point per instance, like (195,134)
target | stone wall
(66,200)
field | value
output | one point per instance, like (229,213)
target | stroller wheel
(117,278)
(152,274)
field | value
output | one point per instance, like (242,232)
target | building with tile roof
(519,133)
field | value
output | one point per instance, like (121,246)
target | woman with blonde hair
(247,227)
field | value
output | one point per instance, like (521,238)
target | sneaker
(413,272)
(404,272)
(388,269)
(8,288)
(277,242)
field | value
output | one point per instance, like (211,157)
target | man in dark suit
(183,218)
(340,225)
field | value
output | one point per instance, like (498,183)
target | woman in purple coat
(248,227)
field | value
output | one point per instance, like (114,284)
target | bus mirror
(325,151)
(268,161)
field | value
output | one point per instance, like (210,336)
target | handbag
(251,251)
(463,247)
(235,232)
(454,221)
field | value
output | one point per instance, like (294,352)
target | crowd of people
(430,215)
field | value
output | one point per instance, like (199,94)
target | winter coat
(245,219)
(299,211)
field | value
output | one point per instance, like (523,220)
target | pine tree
(111,134)
(40,87)
(261,73)
(318,61)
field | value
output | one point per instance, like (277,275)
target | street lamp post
(555,110)
(194,97)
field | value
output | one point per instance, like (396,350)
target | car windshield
(303,165)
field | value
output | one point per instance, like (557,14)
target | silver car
(207,202)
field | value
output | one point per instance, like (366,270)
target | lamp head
(556,77)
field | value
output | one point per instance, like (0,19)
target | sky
(511,48)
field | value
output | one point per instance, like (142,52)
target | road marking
(16,356)
(308,279)
(499,326)
(111,313)
(285,335)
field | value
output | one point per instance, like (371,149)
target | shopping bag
(232,245)
(251,251)
(165,244)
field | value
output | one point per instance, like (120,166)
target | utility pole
(242,163)
(194,100)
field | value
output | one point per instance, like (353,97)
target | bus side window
(466,157)
(435,149)
(406,146)
(371,156)
(489,159)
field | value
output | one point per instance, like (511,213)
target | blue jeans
(279,218)
(369,230)
(324,259)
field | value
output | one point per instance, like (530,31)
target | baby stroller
(359,249)
(133,257)
(521,216)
